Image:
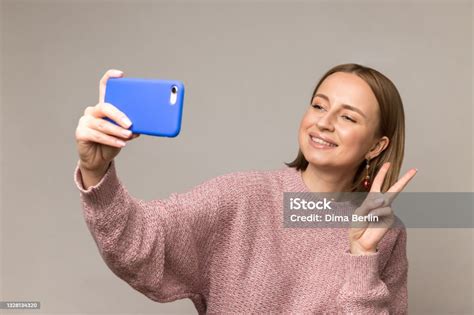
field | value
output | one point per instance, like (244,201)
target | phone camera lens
(174,89)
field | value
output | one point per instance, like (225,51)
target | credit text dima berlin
(333,218)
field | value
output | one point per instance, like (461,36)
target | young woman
(222,243)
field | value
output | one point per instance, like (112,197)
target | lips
(323,138)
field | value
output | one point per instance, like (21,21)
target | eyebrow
(347,106)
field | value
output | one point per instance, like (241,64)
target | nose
(325,122)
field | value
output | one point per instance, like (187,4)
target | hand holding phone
(97,140)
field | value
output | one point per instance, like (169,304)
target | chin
(318,160)
(318,163)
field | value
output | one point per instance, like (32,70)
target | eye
(349,118)
(317,106)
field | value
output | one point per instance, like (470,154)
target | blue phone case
(148,104)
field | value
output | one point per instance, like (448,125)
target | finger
(378,181)
(376,233)
(383,222)
(112,73)
(380,212)
(112,112)
(400,184)
(89,110)
(134,136)
(376,201)
(99,137)
(106,127)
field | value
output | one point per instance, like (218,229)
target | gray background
(249,70)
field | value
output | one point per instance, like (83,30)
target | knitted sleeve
(368,291)
(159,247)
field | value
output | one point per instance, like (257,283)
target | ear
(378,147)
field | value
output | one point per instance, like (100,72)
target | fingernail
(120,142)
(117,72)
(126,133)
(126,121)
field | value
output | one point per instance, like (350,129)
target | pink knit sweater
(222,244)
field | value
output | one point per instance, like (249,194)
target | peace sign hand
(365,236)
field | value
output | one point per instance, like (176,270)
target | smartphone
(154,106)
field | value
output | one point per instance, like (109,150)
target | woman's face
(344,112)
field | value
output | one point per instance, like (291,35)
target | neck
(327,180)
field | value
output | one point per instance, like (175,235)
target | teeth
(317,140)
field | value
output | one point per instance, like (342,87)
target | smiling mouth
(322,142)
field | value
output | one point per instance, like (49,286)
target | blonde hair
(391,124)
